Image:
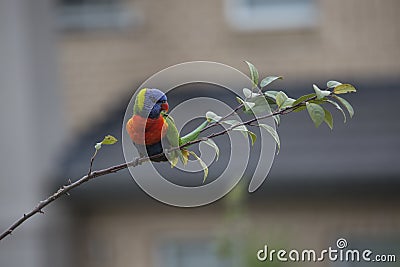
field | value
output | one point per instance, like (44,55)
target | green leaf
(212,144)
(248,105)
(248,93)
(174,159)
(277,120)
(211,116)
(253,74)
(316,113)
(241,129)
(300,108)
(261,105)
(253,137)
(273,133)
(184,156)
(344,89)
(109,140)
(203,165)
(267,80)
(345,104)
(320,93)
(303,98)
(328,118)
(288,103)
(336,105)
(281,97)
(333,84)
(270,101)
(193,135)
(231,122)
(271,94)
(239,100)
(319,102)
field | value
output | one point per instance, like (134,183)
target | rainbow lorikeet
(151,127)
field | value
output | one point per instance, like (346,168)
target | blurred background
(68,69)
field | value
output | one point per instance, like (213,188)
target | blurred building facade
(342,39)
(106,48)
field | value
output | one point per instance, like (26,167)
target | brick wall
(357,38)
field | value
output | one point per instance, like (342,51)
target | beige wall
(129,235)
(353,38)
(32,131)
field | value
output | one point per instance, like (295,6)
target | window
(189,252)
(271,14)
(94,14)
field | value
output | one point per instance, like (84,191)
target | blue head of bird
(150,103)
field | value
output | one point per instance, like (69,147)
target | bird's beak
(164,106)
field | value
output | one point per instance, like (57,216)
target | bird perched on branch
(152,130)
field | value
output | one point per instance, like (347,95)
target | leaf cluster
(314,102)
(258,101)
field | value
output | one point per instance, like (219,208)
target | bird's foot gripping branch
(156,138)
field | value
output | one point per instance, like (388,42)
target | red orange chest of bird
(146,131)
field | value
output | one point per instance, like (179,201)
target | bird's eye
(161,101)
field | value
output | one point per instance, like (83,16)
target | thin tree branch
(64,190)
(91,161)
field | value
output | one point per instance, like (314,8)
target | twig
(91,161)
(64,190)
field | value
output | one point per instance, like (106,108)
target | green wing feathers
(175,141)
(172,131)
